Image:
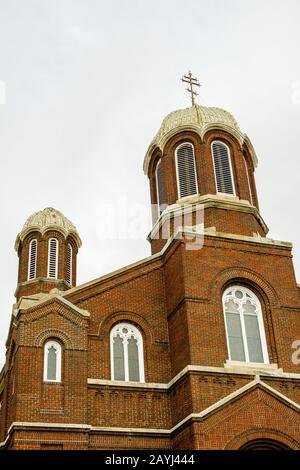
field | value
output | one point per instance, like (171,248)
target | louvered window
(53,258)
(69,263)
(160,187)
(244,326)
(52,361)
(186,171)
(127,360)
(32,260)
(223,170)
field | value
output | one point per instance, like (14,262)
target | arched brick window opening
(186,170)
(223,168)
(32,260)
(52,361)
(245,332)
(127,356)
(264,444)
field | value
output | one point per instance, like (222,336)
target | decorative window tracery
(127,359)
(244,326)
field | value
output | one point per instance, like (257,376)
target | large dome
(199,119)
(47,219)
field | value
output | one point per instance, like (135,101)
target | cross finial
(192,81)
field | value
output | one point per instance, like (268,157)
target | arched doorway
(264,444)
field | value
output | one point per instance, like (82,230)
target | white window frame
(70,263)
(157,192)
(230,166)
(56,259)
(30,258)
(261,327)
(57,346)
(139,337)
(177,171)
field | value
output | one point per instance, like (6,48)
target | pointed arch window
(159,187)
(52,361)
(244,326)
(127,358)
(69,263)
(53,258)
(186,170)
(32,260)
(223,168)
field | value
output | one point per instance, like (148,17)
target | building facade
(194,347)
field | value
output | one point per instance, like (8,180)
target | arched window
(69,263)
(53,258)
(186,170)
(32,260)
(127,358)
(244,326)
(52,361)
(159,187)
(223,168)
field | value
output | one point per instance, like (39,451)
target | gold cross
(192,81)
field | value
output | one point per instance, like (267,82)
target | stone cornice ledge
(263,370)
(168,432)
(48,299)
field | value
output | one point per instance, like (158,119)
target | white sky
(88,83)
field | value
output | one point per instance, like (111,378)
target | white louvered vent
(186,171)
(223,171)
(160,187)
(69,264)
(52,258)
(32,259)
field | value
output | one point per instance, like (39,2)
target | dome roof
(48,219)
(199,119)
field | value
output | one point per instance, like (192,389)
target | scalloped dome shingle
(47,219)
(197,118)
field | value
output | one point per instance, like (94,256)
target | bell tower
(47,248)
(201,160)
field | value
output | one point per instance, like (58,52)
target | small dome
(199,119)
(48,219)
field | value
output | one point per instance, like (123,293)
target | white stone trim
(45,299)
(122,383)
(189,203)
(202,414)
(263,370)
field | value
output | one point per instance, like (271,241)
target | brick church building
(194,347)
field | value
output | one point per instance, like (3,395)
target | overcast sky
(87,84)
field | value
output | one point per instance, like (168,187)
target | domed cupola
(201,157)
(47,247)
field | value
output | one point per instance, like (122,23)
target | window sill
(251,366)
(52,382)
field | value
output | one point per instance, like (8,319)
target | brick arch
(137,320)
(53,333)
(229,139)
(262,434)
(266,293)
(253,279)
